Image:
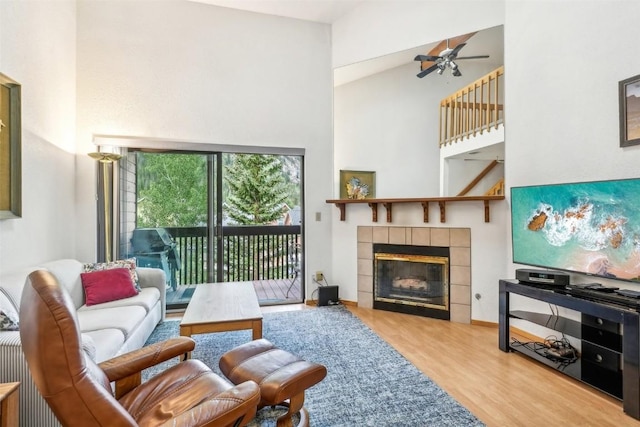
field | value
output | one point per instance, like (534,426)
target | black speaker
(327,295)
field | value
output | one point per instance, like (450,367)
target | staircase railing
(473,110)
(478,178)
(497,189)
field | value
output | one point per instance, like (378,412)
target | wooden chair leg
(295,405)
(304,418)
(244,420)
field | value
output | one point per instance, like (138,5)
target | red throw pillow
(107,285)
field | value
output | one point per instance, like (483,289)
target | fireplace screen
(411,282)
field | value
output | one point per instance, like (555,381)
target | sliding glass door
(214,217)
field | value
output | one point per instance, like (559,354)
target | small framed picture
(629,98)
(357,185)
(10,149)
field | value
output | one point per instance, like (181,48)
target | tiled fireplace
(456,240)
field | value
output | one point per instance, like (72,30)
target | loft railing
(250,253)
(473,110)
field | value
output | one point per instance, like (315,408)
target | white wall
(37,49)
(561,102)
(562,97)
(389,123)
(378,28)
(383,123)
(565,107)
(195,72)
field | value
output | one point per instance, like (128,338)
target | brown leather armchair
(79,391)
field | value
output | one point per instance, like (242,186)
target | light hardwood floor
(501,389)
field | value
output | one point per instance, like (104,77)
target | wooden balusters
(461,117)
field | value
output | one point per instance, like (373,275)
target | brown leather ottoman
(281,376)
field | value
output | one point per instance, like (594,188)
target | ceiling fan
(443,61)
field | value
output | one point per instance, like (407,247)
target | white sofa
(108,329)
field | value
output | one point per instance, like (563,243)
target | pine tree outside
(257,195)
(257,191)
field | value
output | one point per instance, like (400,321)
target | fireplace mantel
(388,204)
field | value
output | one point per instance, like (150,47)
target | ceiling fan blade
(457,49)
(423,58)
(472,57)
(442,45)
(423,73)
(452,42)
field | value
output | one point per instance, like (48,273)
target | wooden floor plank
(501,389)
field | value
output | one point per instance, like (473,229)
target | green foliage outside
(257,192)
(172,190)
(257,189)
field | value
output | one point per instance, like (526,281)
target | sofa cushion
(126,319)
(146,298)
(107,285)
(8,319)
(89,346)
(7,301)
(67,272)
(108,343)
(11,286)
(129,263)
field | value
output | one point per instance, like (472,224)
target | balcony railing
(473,110)
(249,253)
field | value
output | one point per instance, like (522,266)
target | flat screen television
(588,227)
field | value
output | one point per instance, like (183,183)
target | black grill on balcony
(154,247)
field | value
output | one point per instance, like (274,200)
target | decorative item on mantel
(357,185)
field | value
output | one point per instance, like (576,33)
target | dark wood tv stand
(609,335)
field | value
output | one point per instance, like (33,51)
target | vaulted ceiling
(489,41)
(325,11)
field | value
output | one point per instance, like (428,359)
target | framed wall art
(357,184)
(10,149)
(629,98)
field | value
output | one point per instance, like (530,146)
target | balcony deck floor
(269,292)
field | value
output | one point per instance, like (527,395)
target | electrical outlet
(319,276)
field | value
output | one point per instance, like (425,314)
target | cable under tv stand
(609,335)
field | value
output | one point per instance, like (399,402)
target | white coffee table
(221,307)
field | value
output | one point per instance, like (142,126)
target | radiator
(34,411)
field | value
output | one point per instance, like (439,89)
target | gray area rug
(368,382)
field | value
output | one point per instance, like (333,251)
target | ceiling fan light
(440,70)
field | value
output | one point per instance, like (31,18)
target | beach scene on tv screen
(591,227)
